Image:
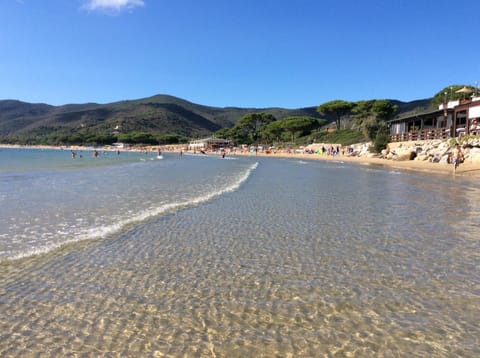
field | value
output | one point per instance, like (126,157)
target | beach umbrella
(464,90)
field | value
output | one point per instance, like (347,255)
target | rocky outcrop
(435,151)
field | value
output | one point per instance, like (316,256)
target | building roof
(210,140)
(411,115)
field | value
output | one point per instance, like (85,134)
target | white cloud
(112,5)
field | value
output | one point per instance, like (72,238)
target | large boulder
(402,154)
(473,155)
(422,157)
(443,159)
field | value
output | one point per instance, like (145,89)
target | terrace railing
(422,134)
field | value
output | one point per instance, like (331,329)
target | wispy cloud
(112,6)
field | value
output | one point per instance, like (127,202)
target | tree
(362,114)
(337,108)
(384,110)
(271,132)
(137,138)
(449,93)
(382,137)
(289,128)
(300,126)
(371,115)
(248,127)
(225,133)
(169,138)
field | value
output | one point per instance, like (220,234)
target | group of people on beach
(333,151)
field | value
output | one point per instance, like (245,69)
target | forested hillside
(160,116)
(156,119)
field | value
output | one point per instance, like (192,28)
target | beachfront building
(119,145)
(451,119)
(210,143)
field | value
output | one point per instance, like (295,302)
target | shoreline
(466,169)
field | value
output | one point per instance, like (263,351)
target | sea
(131,255)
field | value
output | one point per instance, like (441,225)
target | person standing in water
(456,157)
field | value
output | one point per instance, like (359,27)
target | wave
(96,233)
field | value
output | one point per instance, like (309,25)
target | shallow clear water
(280,258)
(65,200)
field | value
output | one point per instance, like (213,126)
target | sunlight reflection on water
(302,260)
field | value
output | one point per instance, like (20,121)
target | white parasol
(465,89)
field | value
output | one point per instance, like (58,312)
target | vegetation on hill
(362,120)
(450,93)
(159,119)
(341,136)
(265,128)
(337,108)
(163,119)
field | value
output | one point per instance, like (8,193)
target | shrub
(381,139)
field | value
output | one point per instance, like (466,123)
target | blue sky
(244,53)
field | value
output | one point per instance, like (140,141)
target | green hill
(407,108)
(159,115)
(22,122)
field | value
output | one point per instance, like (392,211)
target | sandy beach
(465,169)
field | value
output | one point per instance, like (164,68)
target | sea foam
(103,231)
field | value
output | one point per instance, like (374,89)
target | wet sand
(465,169)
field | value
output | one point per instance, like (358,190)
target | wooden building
(211,143)
(450,120)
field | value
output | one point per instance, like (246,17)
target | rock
(474,155)
(443,146)
(435,151)
(404,154)
(422,157)
(443,160)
